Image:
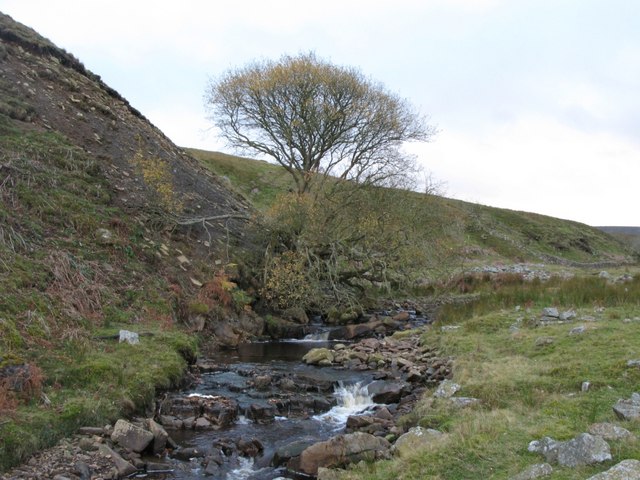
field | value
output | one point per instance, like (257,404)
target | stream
(280,402)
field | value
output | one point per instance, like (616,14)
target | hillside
(483,234)
(101,229)
(106,225)
(630,235)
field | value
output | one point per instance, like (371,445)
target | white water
(317,337)
(352,400)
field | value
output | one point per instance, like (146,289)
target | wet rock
(160,437)
(625,470)
(261,413)
(291,450)
(343,450)
(131,437)
(249,448)
(318,356)
(262,382)
(628,409)
(188,453)
(387,392)
(415,439)
(534,471)
(202,423)
(123,467)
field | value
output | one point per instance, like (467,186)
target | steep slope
(101,229)
(46,89)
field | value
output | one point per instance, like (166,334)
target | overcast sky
(537,101)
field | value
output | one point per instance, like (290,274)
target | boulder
(550,312)
(202,423)
(131,338)
(628,409)
(318,356)
(446,389)
(534,471)
(291,450)
(609,431)
(625,470)
(131,437)
(387,392)
(123,467)
(343,450)
(249,448)
(160,437)
(585,449)
(261,413)
(414,440)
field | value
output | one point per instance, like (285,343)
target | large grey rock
(415,439)
(550,312)
(609,431)
(446,389)
(386,392)
(290,450)
(547,447)
(625,470)
(343,450)
(534,471)
(160,437)
(131,437)
(628,409)
(131,338)
(585,449)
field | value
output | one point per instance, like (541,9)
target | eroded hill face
(45,89)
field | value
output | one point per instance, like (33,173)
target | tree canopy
(316,119)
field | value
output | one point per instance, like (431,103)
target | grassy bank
(528,378)
(89,383)
(73,267)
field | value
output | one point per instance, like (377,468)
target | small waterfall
(352,399)
(317,337)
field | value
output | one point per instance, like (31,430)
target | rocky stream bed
(266,410)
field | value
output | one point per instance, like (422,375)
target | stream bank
(254,412)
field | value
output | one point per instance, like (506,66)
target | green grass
(258,181)
(90,383)
(62,286)
(475,233)
(527,391)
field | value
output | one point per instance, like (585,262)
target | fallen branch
(193,221)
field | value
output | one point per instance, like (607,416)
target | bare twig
(193,221)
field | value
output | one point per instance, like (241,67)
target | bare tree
(316,120)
